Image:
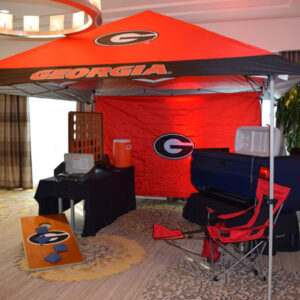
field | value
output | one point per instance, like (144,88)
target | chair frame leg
(240,260)
(188,252)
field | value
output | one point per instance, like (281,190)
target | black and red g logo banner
(126,38)
(55,236)
(173,146)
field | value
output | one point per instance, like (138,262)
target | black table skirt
(108,195)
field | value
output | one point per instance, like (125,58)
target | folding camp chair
(168,235)
(252,227)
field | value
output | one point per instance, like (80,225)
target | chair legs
(212,254)
(242,260)
(200,262)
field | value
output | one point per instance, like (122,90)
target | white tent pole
(271,189)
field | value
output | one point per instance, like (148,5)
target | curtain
(293,56)
(15,143)
(164,129)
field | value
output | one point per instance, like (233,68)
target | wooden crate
(86,133)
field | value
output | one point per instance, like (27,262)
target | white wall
(276,34)
(49,134)
(14,46)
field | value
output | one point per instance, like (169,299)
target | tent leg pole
(271,188)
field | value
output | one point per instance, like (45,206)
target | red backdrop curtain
(208,120)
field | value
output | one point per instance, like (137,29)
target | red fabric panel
(236,236)
(206,250)
(162,233)
(235,214)
(208,120)
(280,192)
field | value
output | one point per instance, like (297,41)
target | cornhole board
(59,232)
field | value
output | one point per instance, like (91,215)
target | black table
(109,194)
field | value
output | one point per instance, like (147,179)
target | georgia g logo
(55,236)
(173,146)
(126,38)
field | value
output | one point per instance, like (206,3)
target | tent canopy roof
(146,45)
(176,41)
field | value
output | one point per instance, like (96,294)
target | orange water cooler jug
(122,153)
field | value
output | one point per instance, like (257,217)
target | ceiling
(269,24)
(192,11)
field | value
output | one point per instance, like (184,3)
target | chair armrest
(225,229)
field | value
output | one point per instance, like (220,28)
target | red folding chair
(168,235)
(250,225)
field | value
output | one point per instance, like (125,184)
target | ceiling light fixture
(31,23)
(78,19)
(6,21)
(97,3)
(57,23)
(87,18)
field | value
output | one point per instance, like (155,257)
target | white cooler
(254,140)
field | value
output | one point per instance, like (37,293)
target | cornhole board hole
(58,231)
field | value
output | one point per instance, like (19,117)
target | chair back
(261,215)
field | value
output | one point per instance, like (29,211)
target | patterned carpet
(17,202)
(149,212)
(104,254)
(127,243)
(186,280)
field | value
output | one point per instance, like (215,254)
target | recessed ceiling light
(4,11)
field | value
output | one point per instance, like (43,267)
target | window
(49,134)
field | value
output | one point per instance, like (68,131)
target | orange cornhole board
(59,232)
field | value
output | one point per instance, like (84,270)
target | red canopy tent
(146,45)
(143,46)
(150,54)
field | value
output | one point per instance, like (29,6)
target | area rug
(104,255)
(187,280)
(161,204)
(141,220)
